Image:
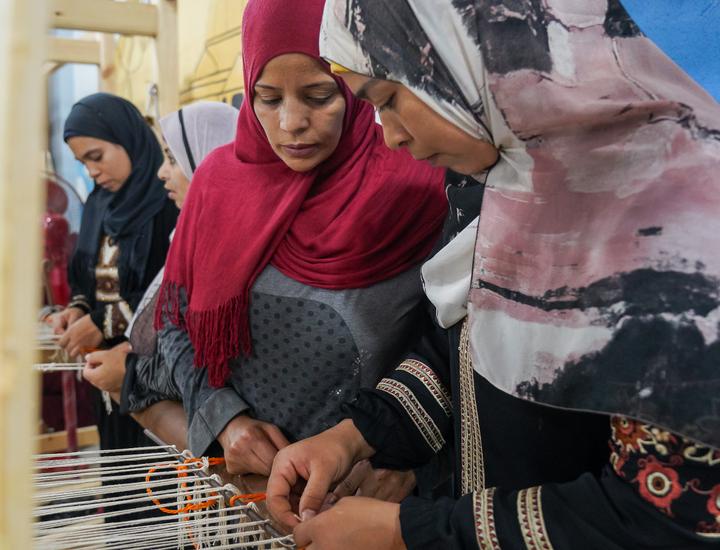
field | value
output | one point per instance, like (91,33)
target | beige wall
(208,57)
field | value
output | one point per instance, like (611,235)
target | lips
(299,150)
(432,159)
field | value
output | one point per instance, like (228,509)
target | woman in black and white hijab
(587,283)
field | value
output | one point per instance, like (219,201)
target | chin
(301,165)
(467,168)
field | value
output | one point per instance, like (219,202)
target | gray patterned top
(312,348)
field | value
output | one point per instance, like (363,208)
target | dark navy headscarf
(127,215)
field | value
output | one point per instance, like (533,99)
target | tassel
(218,335)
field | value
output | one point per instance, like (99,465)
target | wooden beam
(108,73)
(104,16)
(68,50)
(56,442)
(168,62)
(49,67)
(23,28)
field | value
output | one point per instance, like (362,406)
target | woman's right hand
(250,445)
(310,468)
(61,320)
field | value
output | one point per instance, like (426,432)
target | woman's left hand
(354,523)
(366,481)
(81,336)
(106,369)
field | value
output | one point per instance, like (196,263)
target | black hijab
(125,216)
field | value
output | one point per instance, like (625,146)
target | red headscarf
(364,215)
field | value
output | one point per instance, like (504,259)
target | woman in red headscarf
(293,278)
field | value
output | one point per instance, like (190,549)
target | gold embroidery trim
(422,420)
(430,380)
(108,322)
(484,512)
(531,519)
(472,476)
(124,308)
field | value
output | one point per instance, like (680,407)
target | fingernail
(308,515)
(330,499)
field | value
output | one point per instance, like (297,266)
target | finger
(259,464)
(244,463)
(276,436)
(65,338)
(75,350)
(58,326)
(303,533)
(95,358)
(349,485)
(265,451)
(329,502)
(318,486)
(282,479)
(89,374)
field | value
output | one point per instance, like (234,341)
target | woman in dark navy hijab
(124,236)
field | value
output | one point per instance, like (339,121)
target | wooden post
(166,47)
(23,28)
(108,73)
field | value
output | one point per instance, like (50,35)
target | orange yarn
(248,498)
(182,473)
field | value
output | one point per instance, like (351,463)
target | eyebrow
(313,85)
(362,93)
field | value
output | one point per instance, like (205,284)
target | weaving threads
(75,510)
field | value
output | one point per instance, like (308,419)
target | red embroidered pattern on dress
(674,474)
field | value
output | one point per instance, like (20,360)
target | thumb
(125,347)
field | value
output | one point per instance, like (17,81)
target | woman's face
(301,109)
(176,182)
(108,164)
(408,122)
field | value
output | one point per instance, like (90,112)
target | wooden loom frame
(158,21)
(109,17)
(23,49)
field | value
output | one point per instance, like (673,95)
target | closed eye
(389,104)
(321,100)
(270,100)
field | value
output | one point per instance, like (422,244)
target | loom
(91,499)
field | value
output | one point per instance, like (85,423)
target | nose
(93,171)
(164,171)
(395,134)
(294,117)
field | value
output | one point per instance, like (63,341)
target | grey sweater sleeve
(208,409)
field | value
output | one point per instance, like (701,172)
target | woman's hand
(354,523)
(312,467)
(251,445)
(61,320)
(106,369)
(381,484)
(82,335)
